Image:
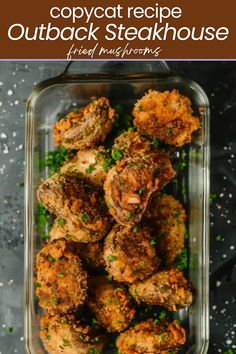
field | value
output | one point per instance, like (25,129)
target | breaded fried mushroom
(110,303)
(151,337)
(169,216)
(80,205)
(88,164)
(91,254)
(85,128)
(166,116)
(129,254)
(130,184)
(131,144)
(61,281)
(166,288)
(65,334)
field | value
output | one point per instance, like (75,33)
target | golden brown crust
(130,184)
(169,216)
(81,206)
(61,281)
(129,255)
(91,254)
(110,303)
(166,116)
(86,128)
(151,337)
(132,144)
(167,288)
(64,334)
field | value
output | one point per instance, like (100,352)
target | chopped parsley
(9,329)
(60,275)
(55,159)
(85,217)
(212,197)
(42,220)
(116,154)
(153,242)
(162,315)
(61,222)
(229,351)
(182,260)
(155,142)
(218,238)
(129,215)
(135,229)
(54,301)
(92,351)
(91,168)
(111,258)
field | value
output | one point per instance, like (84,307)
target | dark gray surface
(219,81)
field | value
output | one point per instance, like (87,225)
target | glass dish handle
(117,67)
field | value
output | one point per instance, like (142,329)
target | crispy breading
(151,337)
(85,128)
(110,303)
(129,255)
(130,184)
(131,144)
(80,205)
(61,281)
(65,334)
(166,116)
(166,288)
(169,216)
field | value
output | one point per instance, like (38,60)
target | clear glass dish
(121,82)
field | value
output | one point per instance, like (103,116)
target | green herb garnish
(116,155)
(55,159)
(85,217)
(91,168)
(61,222)
(182,260)
(111,258)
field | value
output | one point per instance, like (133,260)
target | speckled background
(17,80)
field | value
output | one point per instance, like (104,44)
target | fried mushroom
(65,334)
(166,288)
(110,303)
(80,205)
(85,128)
(131,144)
(61,281)
(152,337)
(129,254)
(166,116)
(130,184)
(169,216)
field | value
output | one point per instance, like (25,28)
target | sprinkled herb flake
(91,168)
(85,217)
(162,315)
(61,222)
(54,301)
(182,260)
(111,258)
(116,154)
(60,275)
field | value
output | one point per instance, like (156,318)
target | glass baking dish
(121,82)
